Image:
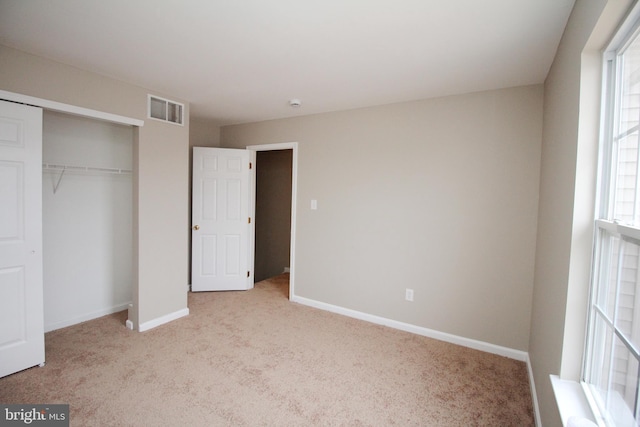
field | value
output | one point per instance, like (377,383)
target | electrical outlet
(408,295)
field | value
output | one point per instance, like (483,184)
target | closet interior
(87,198)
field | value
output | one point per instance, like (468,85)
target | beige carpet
(255,359)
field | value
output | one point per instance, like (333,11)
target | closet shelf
(51,167)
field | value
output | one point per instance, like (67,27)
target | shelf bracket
(57,184)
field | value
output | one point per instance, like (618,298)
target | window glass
(175,113)
(608,273)
(626,136)
(158,108)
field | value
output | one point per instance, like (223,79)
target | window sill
(572,402)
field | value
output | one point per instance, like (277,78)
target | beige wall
(567,189)
(438,195)
(160,172)
(203,133)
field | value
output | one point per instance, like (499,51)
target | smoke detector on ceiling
(295,102)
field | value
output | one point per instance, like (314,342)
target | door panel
(220,220)
(11,193)
(13,321)
(21,306)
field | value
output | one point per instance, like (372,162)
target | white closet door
(21,309)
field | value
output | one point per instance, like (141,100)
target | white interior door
(221,222)
(21,307)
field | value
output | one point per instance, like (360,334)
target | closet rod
(70,168)
(51,167)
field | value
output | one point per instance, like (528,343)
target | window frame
(605,223)
(168,105)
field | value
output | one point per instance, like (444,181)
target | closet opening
(87,206)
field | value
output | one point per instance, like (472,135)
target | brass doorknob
(196,227)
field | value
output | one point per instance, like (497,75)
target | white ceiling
(240,61)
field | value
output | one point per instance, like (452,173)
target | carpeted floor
(255,359)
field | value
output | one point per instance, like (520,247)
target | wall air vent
(165,110)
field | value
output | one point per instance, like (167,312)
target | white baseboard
(83,318)
(534,395)
(430,333)
(163,319)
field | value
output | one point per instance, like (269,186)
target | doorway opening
(273,213)
(275,196)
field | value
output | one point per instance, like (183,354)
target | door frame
(294,185)
(68,108)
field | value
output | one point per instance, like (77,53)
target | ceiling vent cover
(166,110)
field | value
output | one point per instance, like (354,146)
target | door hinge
(249,221)
(248,273)
(250,165)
